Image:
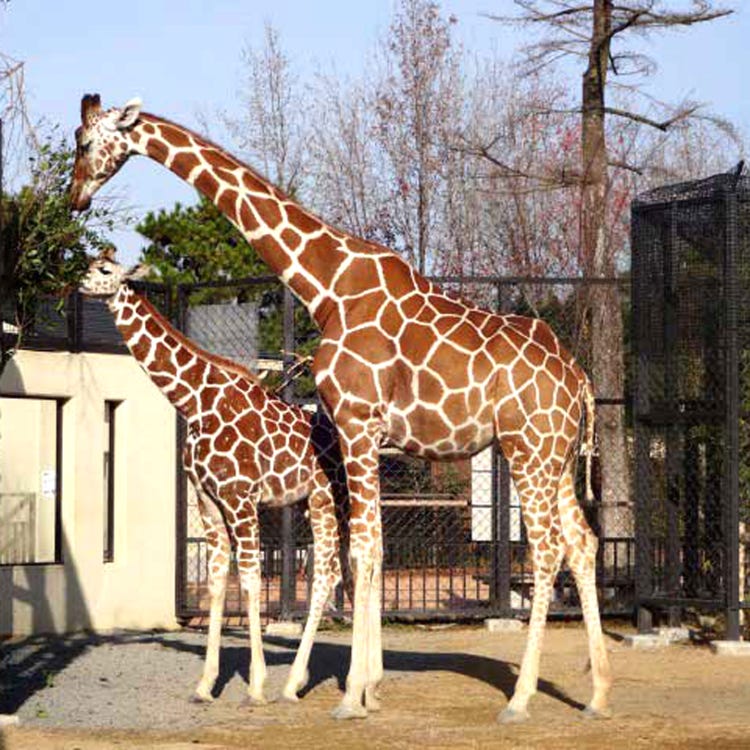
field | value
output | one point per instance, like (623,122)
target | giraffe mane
(223,362)
(205,142)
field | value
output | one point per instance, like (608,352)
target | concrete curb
(503,625)
(730,648)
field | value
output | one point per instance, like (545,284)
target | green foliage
(190,244)
(44,246)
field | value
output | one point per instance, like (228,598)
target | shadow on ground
(27,665)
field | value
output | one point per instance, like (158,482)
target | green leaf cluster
(43,246)
(189,244)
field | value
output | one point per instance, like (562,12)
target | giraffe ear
(139,271)
(129,114)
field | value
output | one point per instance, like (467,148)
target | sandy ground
(443,688)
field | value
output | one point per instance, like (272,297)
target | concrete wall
(136,589)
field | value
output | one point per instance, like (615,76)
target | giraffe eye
(105,271)
(85,147)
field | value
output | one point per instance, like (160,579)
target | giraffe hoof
(372,702)
(597,713)
(201,698)
(289,696)
(252,701)
(346,711)
(509,716)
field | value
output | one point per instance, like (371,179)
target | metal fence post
(288,592)
(732,417)
(644,559)
(179,319)
(75,321)
(500,580)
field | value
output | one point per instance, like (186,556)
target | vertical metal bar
(288,593)
(643,562)
(75,321)
(180,568)
(500,478)
(59,486)
(673,442)
(109,550)
(732,417)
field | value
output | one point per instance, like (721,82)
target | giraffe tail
(588,439)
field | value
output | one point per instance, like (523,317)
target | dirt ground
(445,687)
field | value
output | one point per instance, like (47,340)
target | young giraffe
(400,362)
(243,447)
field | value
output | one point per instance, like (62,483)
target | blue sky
(183,57)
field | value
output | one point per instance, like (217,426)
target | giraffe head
(102,146)
(106,275)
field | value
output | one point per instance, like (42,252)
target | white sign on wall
(49,483)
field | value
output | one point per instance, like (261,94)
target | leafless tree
(417,100)
(19,132)
(270,127)
(594,32)
(344,164)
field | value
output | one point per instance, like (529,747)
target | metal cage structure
(691,346)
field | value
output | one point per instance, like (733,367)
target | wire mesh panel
(691,330)
(454,541)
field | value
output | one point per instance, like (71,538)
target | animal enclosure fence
(454,543)
(691,268)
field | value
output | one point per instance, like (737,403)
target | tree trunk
(615,517)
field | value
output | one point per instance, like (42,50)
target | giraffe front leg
(374,637)
(547,550)
(219,551)
(248,563)
(326,574)
(361,457)
(352,704)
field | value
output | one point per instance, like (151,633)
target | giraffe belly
(425,433)
(277,497)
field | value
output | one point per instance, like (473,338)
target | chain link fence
(454,541)
(691,266)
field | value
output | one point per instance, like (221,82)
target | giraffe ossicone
(400,362)
(243,448)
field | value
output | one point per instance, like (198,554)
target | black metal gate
(691,267)
(454,544)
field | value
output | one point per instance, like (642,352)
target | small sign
(49,482)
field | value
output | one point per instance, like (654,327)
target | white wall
(481,500)
(137,588)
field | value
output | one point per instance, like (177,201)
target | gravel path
(131,680)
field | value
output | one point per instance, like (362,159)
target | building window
(30,492)
(110,410)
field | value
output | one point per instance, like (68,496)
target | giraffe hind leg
(326,574)
(248,564)
(537,488)
(580,551)
(218,566)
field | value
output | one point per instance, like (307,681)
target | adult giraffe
(403,363)
(243,448)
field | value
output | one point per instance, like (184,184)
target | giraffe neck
(310,257)
(176,365)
